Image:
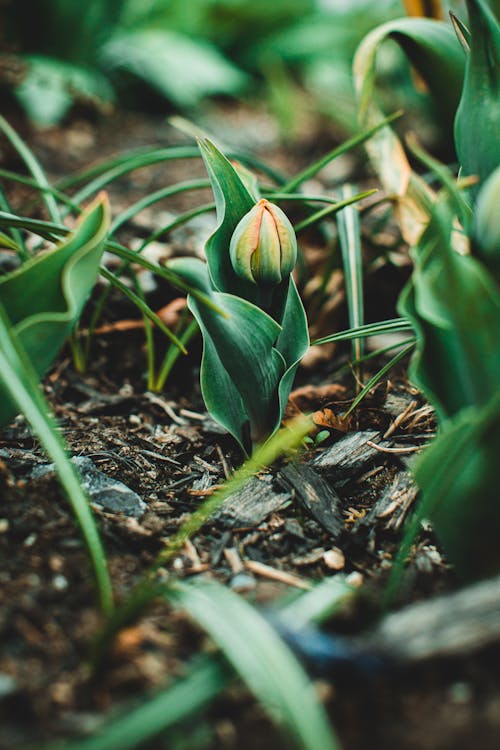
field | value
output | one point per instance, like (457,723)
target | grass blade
(330,210)
(136,161)
(350,245)
(262,659)
(394,325)
(143,307)
(158,195)
(204,682)
(177,222)
(33,165)
(20,381)
(351,143)
(286,439)
(32,183)
(380,374)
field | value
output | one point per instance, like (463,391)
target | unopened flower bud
(263,247)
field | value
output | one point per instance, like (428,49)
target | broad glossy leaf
(51,86)
(434,51)
(458,476)
(249,360)
(44,297)
(184,70)
(486,226)
(454,305)
(477,123)
(243,347)
(233,201)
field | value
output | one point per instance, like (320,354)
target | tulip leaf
(454,305)
(251,352)
(244,348)
(458,476)
(433,50)
(477,120)
(44,297)
(233,201)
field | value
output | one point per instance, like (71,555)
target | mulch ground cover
(149,459)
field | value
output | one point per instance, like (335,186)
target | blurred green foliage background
(171,55)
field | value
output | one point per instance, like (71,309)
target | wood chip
(451,625)
(234,560)
(266,571)
(316,495)
(252,504)
(349,456)
(392,506)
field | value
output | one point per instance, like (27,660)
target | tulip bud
(263,247)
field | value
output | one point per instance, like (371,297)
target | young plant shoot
(250,352)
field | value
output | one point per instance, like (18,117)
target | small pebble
(4,525)
(8,685)
(334,559)
(60,582)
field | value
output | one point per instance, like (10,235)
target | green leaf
(454,305)
(51,86)
(44,297)
(205,679)
(349,228)
(8,242)
(20,393)
(249,360)
(477,120)
(486,226)
(241,348)
(262,659)
(432,48)
(458,475)
(232,201)
(182,69)
(249,356)
(395,325)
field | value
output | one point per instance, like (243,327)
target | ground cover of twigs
(148,460)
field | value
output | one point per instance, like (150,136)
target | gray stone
(110,494)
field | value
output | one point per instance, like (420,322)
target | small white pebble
(334,559)
(134,419)
(4,525)
(30,540)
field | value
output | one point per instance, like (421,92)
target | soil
(164,447)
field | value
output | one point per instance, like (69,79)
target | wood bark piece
(349,456)
(452,625)
(390,510)
(455,625)
(252,504)
(316,495)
